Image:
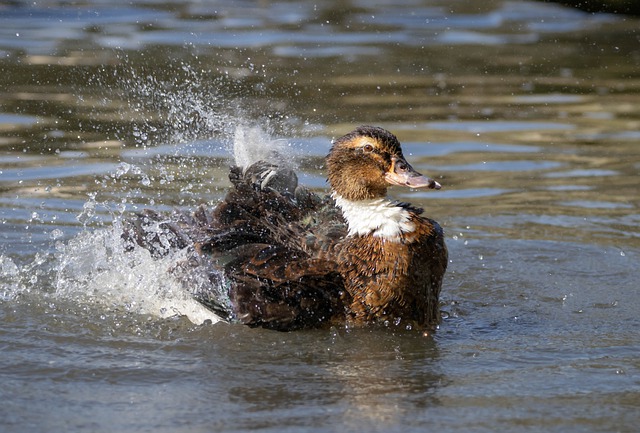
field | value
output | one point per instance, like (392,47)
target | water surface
(527,114)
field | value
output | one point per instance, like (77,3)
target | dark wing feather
(273,231)
(271,236)
(276,288)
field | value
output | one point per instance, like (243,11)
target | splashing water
(251,143)
(94,268)
(97,267)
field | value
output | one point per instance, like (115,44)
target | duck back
(270,236)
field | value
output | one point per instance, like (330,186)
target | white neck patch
(378,217)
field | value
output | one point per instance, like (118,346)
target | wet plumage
(293,259)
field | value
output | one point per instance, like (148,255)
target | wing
(277,288)
(272,238)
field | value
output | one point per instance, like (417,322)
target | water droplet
(122,169)
(56,234)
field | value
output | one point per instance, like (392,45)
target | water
(526,113)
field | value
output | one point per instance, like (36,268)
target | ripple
(595,172)
(20,159)
(204,148)
(63,171)
(446,148)
(550,98)
(17,120)
(459,37)
(622,135)
(459,193)
(503,166)
(569,188)
(592,204)
(434,18)
(496,126)
(40,30)
(333,51)
(267,38)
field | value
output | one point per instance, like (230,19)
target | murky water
(527,113)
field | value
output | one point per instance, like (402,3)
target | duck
(292,259)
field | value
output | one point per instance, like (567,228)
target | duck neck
(378,217)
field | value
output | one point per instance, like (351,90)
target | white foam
(94,268)
(251,143)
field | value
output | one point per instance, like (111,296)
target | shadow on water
(336,375)
(526,112)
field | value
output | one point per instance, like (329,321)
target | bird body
(296,260)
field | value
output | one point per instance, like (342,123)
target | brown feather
(285,251)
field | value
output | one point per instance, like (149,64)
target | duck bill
(402,174)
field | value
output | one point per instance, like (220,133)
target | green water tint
(526,113)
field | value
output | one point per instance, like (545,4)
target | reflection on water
(526,113)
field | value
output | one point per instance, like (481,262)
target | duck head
(362,164)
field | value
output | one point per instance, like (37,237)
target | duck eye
(367,148)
